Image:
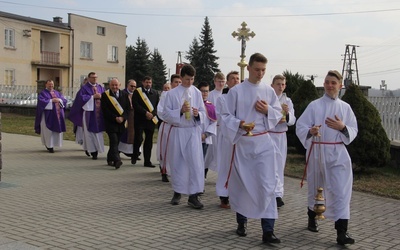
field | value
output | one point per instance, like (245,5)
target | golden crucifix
(243,34)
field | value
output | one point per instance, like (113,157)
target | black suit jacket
(110,113)
(140,108)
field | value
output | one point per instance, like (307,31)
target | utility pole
(383,87)
(348,70)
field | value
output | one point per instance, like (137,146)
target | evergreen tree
(193,55)
(293,81)
(208,65)
(129,67)
(371,147)
(305,94)
(158,70)
(140,61)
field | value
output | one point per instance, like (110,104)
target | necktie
(117,94)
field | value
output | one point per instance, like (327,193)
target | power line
(220,16)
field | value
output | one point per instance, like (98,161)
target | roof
(34,20)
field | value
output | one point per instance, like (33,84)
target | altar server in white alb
(278,134)
(252,179)
(184,111)
(224,147)
(164,128)
(325,127)
(210,160)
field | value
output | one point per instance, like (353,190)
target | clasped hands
(149,115)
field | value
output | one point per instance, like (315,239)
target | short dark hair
(278,77)
(257,57)
(203,84)
(175,76)
(233,72)
(188,69)
(336,74)
(146,78)
(91,73)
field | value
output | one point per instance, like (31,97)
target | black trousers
(147,145)
(113,152)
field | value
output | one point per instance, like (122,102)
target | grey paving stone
(66,200)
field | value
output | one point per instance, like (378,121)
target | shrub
(305,94)
(371,147)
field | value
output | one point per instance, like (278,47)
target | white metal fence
(389,110)
(388,107)
(27,95)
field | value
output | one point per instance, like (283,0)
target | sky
(308,37)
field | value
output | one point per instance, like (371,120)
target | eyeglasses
(132,86)
(92,76)
(204,91)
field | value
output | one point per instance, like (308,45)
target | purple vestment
(50,116)
(94,119)
(210,111)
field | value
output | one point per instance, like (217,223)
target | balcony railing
(48,57)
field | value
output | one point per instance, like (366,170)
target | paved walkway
(66,200)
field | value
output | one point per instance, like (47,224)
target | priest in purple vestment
(86,112)
(50,119)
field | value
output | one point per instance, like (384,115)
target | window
(86,50)
(112,53)
(9,77)
(9,35)
(101,31)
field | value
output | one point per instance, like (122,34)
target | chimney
(57,19)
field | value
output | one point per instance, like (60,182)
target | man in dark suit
(145,101)
(115,106)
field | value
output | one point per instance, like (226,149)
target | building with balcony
(34,50)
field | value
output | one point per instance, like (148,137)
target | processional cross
(243,34)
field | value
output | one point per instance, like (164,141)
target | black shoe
(164,178)
(87,153)
(94,155)
(241,229)
(195,202)
(110,163)
(133,161)
(344,238)
(312,225)
(51,150)
(138,158)
(149,165)
(176,199)
(279,202)
(269,237)
(312,222)
(118,164)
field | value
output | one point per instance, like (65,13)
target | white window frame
(9,77)
(86,50)
(9,38)
(112,53)
(101,30)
